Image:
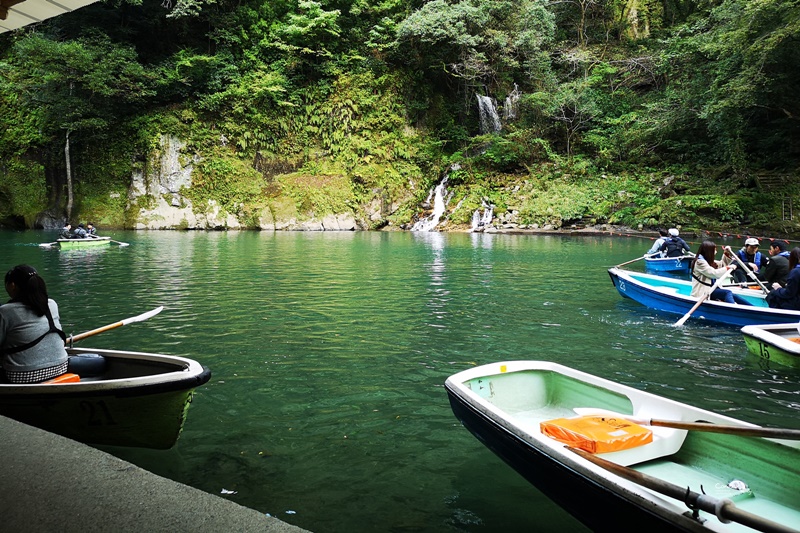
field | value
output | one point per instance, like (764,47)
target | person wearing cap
(674,246)
(750,256)
(777,268)
(662,236)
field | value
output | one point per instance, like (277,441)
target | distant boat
(669,480)
(121,398)
(776,342)
(66,244)
(672,295)
(677,265)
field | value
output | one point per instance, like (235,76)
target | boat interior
(760,475)
(684,288)
(97,367)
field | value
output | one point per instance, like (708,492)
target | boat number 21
(98,412)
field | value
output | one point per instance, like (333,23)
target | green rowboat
(69,244)
(775,342)
(689,479)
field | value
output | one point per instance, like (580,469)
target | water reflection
(329,353)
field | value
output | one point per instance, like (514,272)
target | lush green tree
(73,88)
(480,42)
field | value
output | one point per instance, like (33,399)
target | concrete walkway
(50,483)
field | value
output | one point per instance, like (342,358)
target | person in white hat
(750,256)
(674,246)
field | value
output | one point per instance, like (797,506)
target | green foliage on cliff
(636,112)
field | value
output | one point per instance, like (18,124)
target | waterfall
(490,121)
(511,106)
(480,221)
(439,195)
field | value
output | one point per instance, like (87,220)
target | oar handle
(631,261)
(744,431)
(725,510)
(748,271)
(699,301)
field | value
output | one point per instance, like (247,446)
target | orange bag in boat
(63,378)
(597,434)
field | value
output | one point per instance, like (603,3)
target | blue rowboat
(678,265)
(672,295)
(652,484)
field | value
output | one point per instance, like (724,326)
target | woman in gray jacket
(31,340)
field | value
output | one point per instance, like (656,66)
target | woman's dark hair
(31,289)
(794,257)
(707,250)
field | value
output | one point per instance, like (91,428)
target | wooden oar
(749,272)
(685,317)
(110,240)
(725,510)
(131,320)
(48,244)
(744,431)
(631,261)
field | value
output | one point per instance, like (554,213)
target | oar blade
(143,316)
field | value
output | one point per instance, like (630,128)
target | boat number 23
(98,412)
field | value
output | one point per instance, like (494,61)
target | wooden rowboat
(673,296)
(122,398)
(752,480)
(68,244)
(779,343)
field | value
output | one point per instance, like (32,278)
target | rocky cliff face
(157,200)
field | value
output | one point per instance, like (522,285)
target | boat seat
(666,441)
(87,365)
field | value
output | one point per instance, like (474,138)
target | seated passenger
(674,246)
(705,272)
(657,245)
(66,232)
(788,297)
(79,233)
(777,268)
(31,340)
(750,256)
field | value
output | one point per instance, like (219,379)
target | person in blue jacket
(662,236)
(750,256)
(788,297)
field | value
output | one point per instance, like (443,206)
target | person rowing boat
(705,269)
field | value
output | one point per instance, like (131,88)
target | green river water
(329,351)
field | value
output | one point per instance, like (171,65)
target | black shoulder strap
(701,281)
(53,329)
